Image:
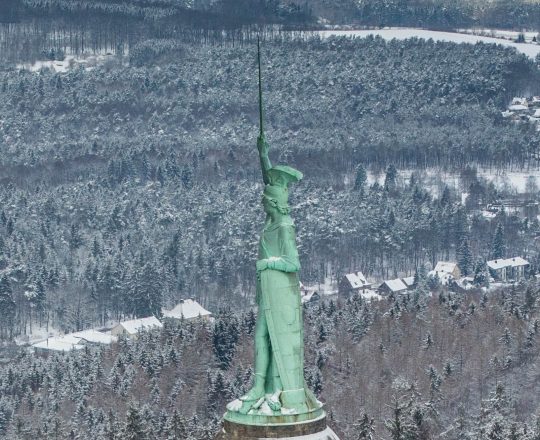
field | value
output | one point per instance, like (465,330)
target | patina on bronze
(279,404)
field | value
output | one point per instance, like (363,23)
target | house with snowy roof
(508,269)
(309,297)
(188,309)
(448,267)
(409,282)
(94,337)
(518,108)
(520,101)
(58,344)
(132,328)
(446,271)
(393,287)
(352,283)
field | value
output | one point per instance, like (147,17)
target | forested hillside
(451,366)
(131,181)
(170,16)
(121,184)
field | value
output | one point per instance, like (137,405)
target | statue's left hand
(262,265)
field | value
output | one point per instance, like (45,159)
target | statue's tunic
(278,241)
(278,297)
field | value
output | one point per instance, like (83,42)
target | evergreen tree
(135,428)
(176,427)
(7,307)
(75,237)
(481,274)
(399,425)
(464,257)
(364,429)
(498,248)
(360,179)
(390,180)
(224,338)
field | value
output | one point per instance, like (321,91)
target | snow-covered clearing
(511,180)
(38,334)
(529,49)
(501,33)
(69,62)
(329,287)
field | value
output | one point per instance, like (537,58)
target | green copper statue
(279,388)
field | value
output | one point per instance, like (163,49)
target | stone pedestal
(308,430)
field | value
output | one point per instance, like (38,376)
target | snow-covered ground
(515,180)
(501,33)
(70,61)
(528,49)
(329,287)
(38,334)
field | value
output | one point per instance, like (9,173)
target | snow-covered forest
(131,180)
(122,183)
(451,366)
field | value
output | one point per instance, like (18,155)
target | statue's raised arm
(263,148)
(262,145)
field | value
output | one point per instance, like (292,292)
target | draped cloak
(278,297)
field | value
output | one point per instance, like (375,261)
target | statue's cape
(280,301)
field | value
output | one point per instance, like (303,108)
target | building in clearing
(444,268)
(409,282)
(58,344)
(310,297)
(188,309)
(132,328)
(392,287)
(508,269)
(94,337)
(353,283)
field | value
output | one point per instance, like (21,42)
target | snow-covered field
(500,33)
(529,49)
(513,180)
(38,334)
(70,61)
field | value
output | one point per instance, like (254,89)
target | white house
(95,337)
(409,282)
(132,328)
(393,286)
(59,344)
(188,309)
(520,101)
(309,297)
(353,283)
(506,269)
(518,108)
(447,267)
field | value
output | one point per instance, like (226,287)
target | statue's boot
(254,397)
(273,400)
(273,396)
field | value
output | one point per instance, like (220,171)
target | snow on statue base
(309,430)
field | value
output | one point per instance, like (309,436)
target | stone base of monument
(309,430)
